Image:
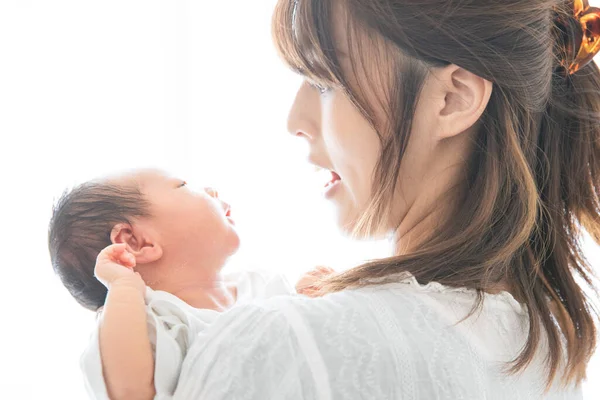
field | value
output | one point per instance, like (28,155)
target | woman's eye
(184,183)
(322,89)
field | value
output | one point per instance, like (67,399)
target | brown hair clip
(581,36)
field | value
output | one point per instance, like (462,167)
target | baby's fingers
(127,259)
(325,270)
(117,253)
(111,253)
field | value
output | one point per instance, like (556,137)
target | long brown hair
(532,183)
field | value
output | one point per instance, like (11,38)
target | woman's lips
(331,178)
(328,176)
(332,182)
(334,178)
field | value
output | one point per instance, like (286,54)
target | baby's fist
(115,264)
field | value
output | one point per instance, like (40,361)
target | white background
(195,87)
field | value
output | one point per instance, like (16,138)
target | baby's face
(191,224)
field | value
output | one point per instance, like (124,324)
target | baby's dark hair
(80,228)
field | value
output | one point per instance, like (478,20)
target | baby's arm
(125,350)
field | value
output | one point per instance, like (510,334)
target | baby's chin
(236,248)
(235,243)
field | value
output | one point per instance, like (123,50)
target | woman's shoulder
(325,327)
(310,344)
(258,284)
(402,314)
(291,344)
(393,330)
(401,295)
(398,319)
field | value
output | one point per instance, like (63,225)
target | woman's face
(341,141)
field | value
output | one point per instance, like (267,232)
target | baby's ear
(139,243)
(148,252)
(123,233)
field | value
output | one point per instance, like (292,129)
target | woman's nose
(304,112)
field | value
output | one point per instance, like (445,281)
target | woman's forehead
(340,26)
(351,36)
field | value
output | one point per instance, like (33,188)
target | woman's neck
(419,225)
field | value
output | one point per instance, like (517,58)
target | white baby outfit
(173,326)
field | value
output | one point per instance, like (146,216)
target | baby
(147,252)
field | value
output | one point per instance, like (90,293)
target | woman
(470,131)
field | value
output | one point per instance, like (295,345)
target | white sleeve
(91,366)
(249,352)
(172,325)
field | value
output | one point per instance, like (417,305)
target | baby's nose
(212,192)
(226,208)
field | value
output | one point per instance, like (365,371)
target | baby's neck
(216,295)
(201,286)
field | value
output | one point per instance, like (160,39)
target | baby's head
(174,233)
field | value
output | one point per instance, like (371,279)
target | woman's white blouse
(393,341)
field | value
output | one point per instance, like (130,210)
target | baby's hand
(114,265)
(306,282)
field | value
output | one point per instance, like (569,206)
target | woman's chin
(348,225)
(346,222)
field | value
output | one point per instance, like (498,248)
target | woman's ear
(144,246)
(465,98)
